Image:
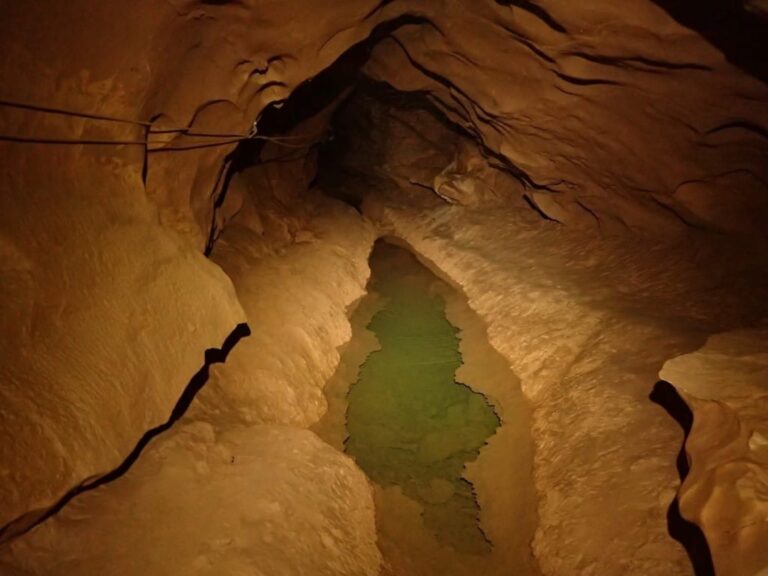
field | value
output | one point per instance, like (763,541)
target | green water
(410,423)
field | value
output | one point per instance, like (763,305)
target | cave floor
(586,325)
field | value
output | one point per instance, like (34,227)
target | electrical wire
(35,140)
(228,138)
(63,112)
(188,132)
(147,142)
(234,141)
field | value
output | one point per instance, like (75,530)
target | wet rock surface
(592,176)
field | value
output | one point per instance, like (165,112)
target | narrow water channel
(437,420)
(410,423)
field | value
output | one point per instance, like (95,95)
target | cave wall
(588,325)
(106,312)
(206,500)
(401,145)
(272,248)
(109,304)
(613,113)
(724,385)
(108,301)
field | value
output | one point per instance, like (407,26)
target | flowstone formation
(410,423)
(593,176)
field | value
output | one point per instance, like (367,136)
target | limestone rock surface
(611,118)
(587,326)
(295,270)
(249,500)
(106,318)
(725,383)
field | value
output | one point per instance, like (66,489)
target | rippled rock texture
(136,234)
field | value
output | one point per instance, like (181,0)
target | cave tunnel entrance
(451,131)
(418,413)
(357,136)
(382,138)
(349,137)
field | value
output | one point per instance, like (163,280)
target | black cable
(74,141)
(50,110)
(91,116)
(91,142)
(194,146)
(230,138)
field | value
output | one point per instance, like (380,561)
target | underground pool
(410,423)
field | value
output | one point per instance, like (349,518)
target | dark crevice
(671,210)
(569,93)
(728,25)
(223,178)
(508,166)
(26,522)
(442,80)
(688,534)
(536,11)
(741,125)
(380,6)
(539,211)
(520,39)
(712,177)
(422,186)
(429,189)
(589,211)
(586,81)
(638,63)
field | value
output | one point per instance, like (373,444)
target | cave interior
(391,288)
